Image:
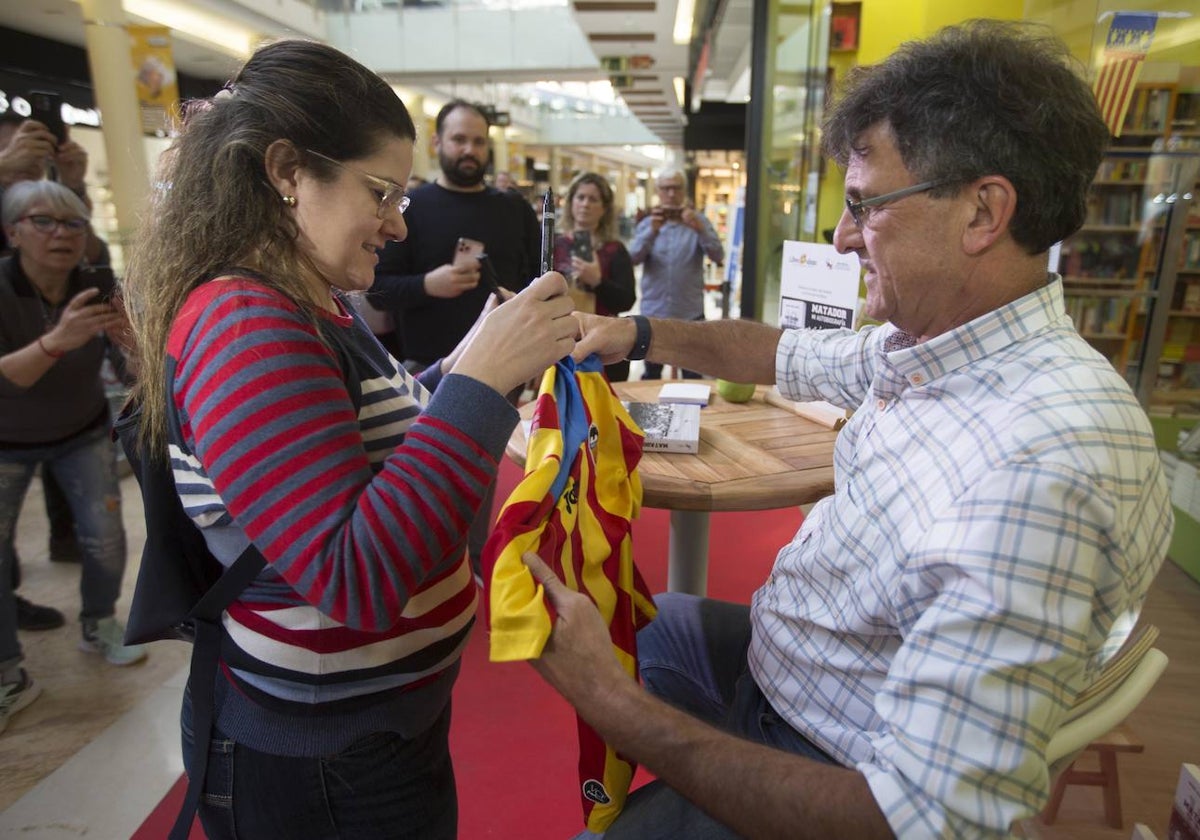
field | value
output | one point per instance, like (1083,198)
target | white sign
(818,287)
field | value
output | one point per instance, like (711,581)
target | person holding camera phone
(433,293)
(31,149)
(590,253)
(670,244)
(55,325)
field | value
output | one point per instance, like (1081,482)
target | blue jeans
(86,470)
(693,655)
(383,787)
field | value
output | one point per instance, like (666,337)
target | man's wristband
(641,340)
(53,354)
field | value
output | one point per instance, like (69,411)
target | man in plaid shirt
(999,508)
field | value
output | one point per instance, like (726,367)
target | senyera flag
(1128,41)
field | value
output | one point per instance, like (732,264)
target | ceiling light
(678,84)
(192,24)
(684,13)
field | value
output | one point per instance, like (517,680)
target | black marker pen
(547,231)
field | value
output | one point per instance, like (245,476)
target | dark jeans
(693,655)
(382,787)
(58,511)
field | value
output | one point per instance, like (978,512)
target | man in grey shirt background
(670,244)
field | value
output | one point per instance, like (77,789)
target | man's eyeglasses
(860,211)
(391,195)
(48,224)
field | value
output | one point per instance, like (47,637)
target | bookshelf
(1173,334)
(1131,274)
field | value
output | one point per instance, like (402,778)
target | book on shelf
(1185,811)
(668,427)
(694,393)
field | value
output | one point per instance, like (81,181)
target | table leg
(687,564)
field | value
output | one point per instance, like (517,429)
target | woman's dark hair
(214,208)
(984,98)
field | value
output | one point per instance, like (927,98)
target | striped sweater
(357,623)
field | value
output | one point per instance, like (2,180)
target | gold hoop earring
(289,200)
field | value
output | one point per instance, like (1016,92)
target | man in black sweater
(434,302)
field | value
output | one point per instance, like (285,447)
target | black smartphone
(672,213)
(46,108)
(581,245)
(100,277)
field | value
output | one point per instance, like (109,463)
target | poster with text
(818,287)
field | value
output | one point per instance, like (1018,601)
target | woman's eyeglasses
(391,195)
(48,224)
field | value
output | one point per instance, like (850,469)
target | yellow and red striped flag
(1126,46)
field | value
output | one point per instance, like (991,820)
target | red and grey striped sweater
(358,621)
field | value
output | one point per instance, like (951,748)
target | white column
(500,161)
(424,163)
(113,84)
(556,170)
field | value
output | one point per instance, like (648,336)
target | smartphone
(46,108)
(102,278)
(467,252)
(581,245)
(672,213)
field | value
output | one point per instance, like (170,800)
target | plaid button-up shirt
(998,516)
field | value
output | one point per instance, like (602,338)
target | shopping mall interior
(732,92)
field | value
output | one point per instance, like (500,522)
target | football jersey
(574,508)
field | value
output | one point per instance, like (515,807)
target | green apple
(737,392)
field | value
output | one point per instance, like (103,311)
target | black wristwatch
(641,341)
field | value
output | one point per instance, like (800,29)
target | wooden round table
(756,455)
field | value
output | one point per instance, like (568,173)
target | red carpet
(513,738)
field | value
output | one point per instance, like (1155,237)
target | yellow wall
(885,25)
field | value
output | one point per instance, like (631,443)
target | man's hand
(690,218)
(578,659)
(25,156)
(449,281)
(72,161)
(657,219)
(611,338)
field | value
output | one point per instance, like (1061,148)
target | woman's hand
(587,274)
(517,341)
(82,319)
(489,305)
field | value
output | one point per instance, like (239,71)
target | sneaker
(31,616)
(106,637)
(16,696)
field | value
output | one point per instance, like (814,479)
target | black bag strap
(206,646)
(206,619)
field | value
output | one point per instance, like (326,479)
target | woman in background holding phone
(599,265)
(54,412)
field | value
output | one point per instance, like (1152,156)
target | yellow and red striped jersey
(574,508)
